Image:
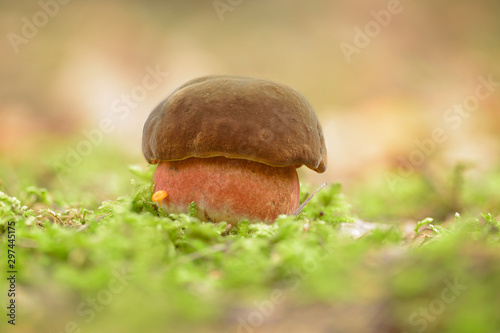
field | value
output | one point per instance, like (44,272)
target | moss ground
(123,266)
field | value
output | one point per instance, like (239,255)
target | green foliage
(492,221)
(193,209)
(39,194)
(144,175)
(425,221)
(439,194)
(329,204)
(172,272)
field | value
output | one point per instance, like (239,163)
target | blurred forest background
(65,69)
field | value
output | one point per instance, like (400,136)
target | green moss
(147,270)
(193,209)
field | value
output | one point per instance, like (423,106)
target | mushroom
(232,144)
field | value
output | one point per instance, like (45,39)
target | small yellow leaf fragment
(159,196)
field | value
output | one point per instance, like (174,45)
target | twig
(301,207)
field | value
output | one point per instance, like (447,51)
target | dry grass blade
(301,207)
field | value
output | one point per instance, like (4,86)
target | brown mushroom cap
(235,117)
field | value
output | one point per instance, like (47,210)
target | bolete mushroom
(232,145)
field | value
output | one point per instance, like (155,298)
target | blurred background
(406,91)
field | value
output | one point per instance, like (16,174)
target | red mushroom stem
(228,189)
